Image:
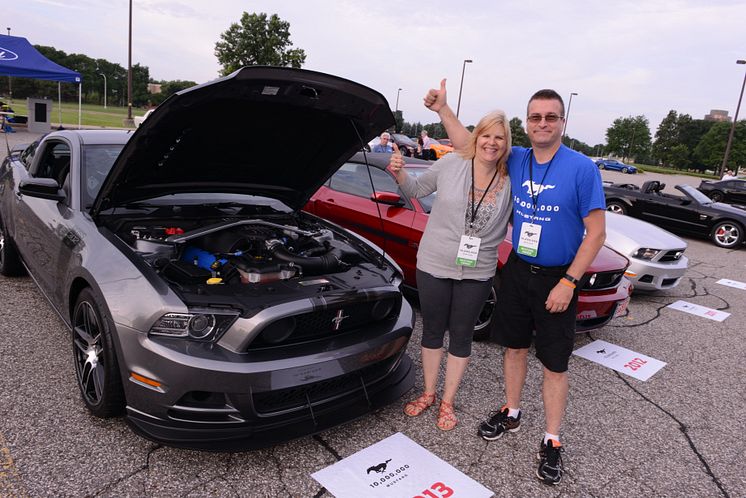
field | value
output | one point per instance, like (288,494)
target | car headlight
(198,326)
(646,253)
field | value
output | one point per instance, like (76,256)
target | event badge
(528,241)
(468,251)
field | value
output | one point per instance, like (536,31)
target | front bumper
(652,276)
(214,399)
(597,308)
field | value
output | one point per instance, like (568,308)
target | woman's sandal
(416,407)
(446,416)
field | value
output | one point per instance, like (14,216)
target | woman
(457,257)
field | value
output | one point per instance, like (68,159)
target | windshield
(427,201)
(695,194)
(96,163)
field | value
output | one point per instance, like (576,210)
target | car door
(346,200)
(735,192)
(41,227)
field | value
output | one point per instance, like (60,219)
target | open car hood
(269,131)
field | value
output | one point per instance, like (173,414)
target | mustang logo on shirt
(536,187)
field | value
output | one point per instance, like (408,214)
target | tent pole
(59,97)
(80,104)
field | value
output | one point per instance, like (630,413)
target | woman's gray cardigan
(450,176)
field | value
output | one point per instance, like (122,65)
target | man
(557,196)
(384,145)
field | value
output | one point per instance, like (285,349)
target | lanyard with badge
(528,241)
(468,249)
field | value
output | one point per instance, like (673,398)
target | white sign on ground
(703,311)
(397,467)
(732,283)
(621,359)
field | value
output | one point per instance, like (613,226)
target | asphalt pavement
(681,433)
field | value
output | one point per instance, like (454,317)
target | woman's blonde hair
(493,118)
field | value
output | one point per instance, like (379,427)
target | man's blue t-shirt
(566,190)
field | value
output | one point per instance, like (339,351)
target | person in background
(384,145)
(457,256)
(559,226)
(426,143)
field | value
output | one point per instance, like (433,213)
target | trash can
(39,115)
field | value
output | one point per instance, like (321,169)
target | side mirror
(686,202)
(388,198)
(42,188)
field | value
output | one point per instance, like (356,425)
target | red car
(396,223)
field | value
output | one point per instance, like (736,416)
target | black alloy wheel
(727,234)
(716,196)
(482,327)
(96,367)
(10,261)
(616,207)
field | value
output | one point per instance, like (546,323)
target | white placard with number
(732,283)
(621,359)
(703,311)
(397,467)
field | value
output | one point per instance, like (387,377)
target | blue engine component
(201,258)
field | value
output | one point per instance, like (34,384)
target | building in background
(717,115)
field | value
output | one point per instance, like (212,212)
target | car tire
(96,366)
(717,196)
(601,166)
(482,327)
(727,234)
(625,170)
(616,207)
(10,260)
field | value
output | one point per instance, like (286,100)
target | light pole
(397,100)
(463,69)
(104,77)
(567,114)
(733,126)
(129,121)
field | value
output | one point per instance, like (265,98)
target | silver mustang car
(656,256)
(201,301)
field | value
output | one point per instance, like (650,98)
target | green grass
(671,171)
(92,115)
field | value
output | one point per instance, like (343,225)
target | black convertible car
(730,191)
(693,213)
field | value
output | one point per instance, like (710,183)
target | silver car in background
(656,256)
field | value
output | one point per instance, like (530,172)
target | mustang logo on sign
(7,55)
(381,467)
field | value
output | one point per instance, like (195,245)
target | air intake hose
(326,263)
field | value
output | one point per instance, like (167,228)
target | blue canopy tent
(19,58)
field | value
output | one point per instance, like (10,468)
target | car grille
(331,322)
(299,397)
(604,280)
(673,255)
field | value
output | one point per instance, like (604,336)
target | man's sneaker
(498,424)
(550,462)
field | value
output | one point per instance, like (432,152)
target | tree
(629,137)
(518,133)
(256,40)
(666,138)
(711,148)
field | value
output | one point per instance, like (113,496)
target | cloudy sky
(622,57)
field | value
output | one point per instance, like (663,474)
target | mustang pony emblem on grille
(337,320)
